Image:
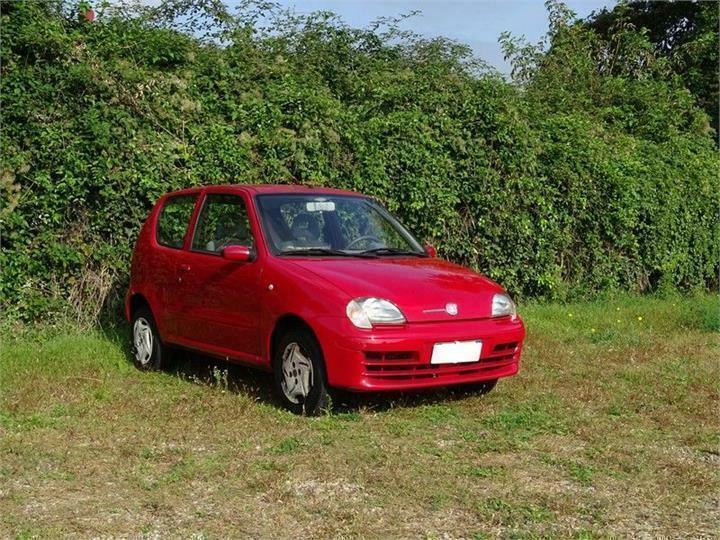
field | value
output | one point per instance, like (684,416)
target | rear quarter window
(174,220)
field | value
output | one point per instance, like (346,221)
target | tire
(149,353)
(299,373)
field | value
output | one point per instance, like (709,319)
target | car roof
(268,189)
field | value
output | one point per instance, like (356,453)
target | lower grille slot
(427,371)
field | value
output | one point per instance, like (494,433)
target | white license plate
(456,352)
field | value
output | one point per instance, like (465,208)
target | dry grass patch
(610,429)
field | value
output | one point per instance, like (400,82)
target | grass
(610,429)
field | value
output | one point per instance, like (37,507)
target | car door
(220,297)
(171,231)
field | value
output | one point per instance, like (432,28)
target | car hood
(421,287)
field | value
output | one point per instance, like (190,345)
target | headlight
(364,312)
(502,306)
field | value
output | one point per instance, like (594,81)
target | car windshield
(333,225)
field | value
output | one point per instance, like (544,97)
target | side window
(174,219)
(223,222)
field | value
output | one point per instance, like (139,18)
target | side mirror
(237,253)
(430,250)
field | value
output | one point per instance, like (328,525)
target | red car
(322,286)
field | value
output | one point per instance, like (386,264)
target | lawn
(611,428)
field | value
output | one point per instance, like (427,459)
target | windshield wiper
(392,251)
(324,251)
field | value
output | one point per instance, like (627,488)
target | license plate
(456,352)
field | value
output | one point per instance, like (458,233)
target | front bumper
(398,358)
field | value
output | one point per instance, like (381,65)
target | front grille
(391,356)
(407,365)
(505,346)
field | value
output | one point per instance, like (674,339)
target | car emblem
(451,308)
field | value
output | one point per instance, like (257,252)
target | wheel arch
(282,325)
(136,301)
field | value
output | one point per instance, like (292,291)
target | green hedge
(585,173)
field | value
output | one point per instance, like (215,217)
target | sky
(477,23)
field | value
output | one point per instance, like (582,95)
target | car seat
(306,228)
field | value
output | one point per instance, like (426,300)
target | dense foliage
(593,169)
(683,31)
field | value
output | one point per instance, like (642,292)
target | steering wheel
(361,238)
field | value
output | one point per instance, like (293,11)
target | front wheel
(299,371)
(148,351)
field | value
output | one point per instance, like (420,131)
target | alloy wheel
(143,340)
(297,373)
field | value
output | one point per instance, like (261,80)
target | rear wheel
(299,371)
(148,351)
